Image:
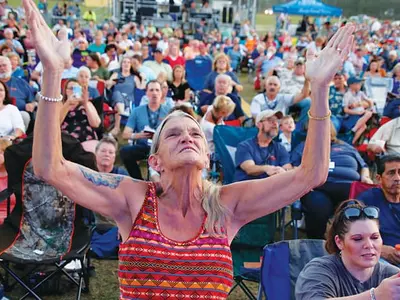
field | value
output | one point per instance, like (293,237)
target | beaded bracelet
(48,99)
(372,294)
(319,118)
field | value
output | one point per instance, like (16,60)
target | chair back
(196,72)
(283,262)
(357,187)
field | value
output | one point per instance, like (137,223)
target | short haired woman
(353,267)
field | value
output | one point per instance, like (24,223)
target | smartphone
(77,91)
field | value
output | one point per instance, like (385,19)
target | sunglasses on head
(354,213)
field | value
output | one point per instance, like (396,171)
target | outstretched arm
(252,199)
(105,194)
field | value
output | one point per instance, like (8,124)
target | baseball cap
(158,50)
(352,80)
(267,114)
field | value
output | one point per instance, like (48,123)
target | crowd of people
(125,90)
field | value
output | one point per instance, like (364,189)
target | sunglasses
(354,213)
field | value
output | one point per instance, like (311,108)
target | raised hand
(53,53)
(321,69)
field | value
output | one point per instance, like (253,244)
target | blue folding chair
(196,72)
(248,243)
(283,262)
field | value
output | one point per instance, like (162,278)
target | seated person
(221,65)
(4,143)
(79,117)
(346,166)
(80,53)
(157,65)
(287,127)
(105,151)
(11,123)
(167,101)
(83,78)
(355,106)
(353,266)
(386,139)
(69,70)
(123,83)
(96,69)
(336,94)
(273,100)
(179,86)
(17,70)
(223,87)
(261,156)
(222,107)
(387,199)
(149,115)
(294,82)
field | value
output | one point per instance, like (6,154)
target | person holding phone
(79,117)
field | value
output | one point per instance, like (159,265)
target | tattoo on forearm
(101,179)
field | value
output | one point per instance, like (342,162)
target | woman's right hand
(53,53)
(389,288)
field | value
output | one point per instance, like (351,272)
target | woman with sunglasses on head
(352,270)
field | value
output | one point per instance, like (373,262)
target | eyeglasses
(354,213)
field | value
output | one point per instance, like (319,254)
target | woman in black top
(179,87)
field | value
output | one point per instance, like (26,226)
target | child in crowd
(357,107)
(287,126)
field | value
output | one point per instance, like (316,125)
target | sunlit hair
(218,57)
(224,103)
(4,143)
(339,225)
(217,213)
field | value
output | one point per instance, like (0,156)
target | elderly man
(141,122)
(387,199)
(223,87)
(261,156)
(105,152)
(17,87)
(11,42)
(274,100)
(158,66)
(386,139)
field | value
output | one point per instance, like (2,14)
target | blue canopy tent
(307,8)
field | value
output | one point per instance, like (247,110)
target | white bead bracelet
(48,99)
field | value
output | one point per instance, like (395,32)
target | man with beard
(274,100)
(387,199)
(261,156)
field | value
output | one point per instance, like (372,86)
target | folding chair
(45,228)
(196,72)
(282,263)
(357,187)
(248,243)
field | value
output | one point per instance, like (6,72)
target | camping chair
(378,88)
(196,72)
(283,262)
(45,228)
(357,187)
(248,243)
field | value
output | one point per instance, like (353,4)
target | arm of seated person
(365,176)
(305,92)
(252,169)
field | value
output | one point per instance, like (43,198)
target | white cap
(268,113)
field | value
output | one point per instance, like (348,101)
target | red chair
(357,187)
(63,83)
(235,123)
(384,120)
(13,101)
(101,86)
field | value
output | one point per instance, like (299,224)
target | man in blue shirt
(387,199)
(261,157)
(142,117)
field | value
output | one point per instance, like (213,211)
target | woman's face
(373,66)
(222,64)
(362,244)
(178,73)
(2,93)
(126,64)
(14,62)
(69,89)
(181,144)
(83,78)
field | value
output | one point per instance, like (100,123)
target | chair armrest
(5,194)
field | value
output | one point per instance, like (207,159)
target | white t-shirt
(208,129)
(351,98)
(261,102)
(10,119)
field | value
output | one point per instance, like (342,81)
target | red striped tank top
(152,266)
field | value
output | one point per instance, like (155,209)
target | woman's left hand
(321,69)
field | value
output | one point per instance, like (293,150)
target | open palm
(53,53)
(321,69)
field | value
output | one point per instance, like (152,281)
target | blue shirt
(139,118)
(274,155)
(348,162)
(149,73)
(389,224)
(21,91)
(119,171)
(335,101)
(93,93)
(94,48)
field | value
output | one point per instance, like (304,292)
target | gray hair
(84,69)
(217,213)
(222,76)
(107,140)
